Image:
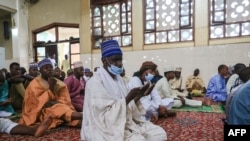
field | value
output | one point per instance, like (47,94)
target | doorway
(58,39)
(51,51)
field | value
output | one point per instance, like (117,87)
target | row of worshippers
(231,90)
(15,83)
(223,84)
(111,111)
(237,102)
(219,85)
(46,101)
(194,84)
(120,109)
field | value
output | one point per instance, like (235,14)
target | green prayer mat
(212,109)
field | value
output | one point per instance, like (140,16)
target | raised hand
(149,90)
(182,100)
(52,83)
(49,104)
(133,93)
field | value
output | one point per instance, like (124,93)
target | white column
(20,35)
(201,23)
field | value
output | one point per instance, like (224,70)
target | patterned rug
(186,126)
(194,126)
(212,108)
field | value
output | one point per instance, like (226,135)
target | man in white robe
(165,91)
(154,105)
(176,83)
(110,111)
(234,79)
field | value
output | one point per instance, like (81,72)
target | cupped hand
(182,100)
(149,89)
(52,83)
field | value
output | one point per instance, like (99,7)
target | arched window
(111,20)
(57,39)
(168,21)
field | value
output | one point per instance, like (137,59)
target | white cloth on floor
(6,125)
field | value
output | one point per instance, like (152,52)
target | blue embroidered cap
(43,62)
(110,48)
(33,65)
(86,70)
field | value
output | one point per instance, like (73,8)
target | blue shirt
(239,109)
(217,88)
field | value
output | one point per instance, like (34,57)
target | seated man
(216,89)
(152,103)
(165,91)
(12,128)
(6,108)
(238,106)
(57,73)
(234,80)
(111,112)
(47,96)
(76,86)
(33,72)
(87,74)
(157,77)
(176,83)
(70,72)
(195,84)
(16,82)
(23,70)
(244,76)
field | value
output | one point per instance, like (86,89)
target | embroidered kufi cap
(168,69)
(43,62)
(110,48)
(77,64)
(33,66)
(86,70)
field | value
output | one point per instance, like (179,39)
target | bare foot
(171,114)
(207,102)
(44,125)
(154,119)
(204,103)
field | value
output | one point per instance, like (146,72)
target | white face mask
(149,76)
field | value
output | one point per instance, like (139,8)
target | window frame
(213,23)
(36,44)
(102,37)
(154,31)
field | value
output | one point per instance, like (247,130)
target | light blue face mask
(149,77)
(114,69)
